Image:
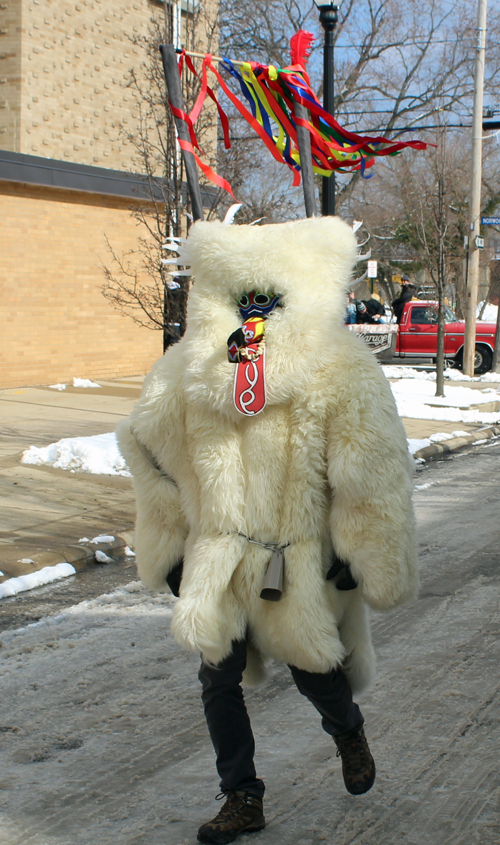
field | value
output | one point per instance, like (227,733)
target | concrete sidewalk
(50,509)
(47,509)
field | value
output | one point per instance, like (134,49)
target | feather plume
(300,47)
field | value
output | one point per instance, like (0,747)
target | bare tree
(423,222)
(137,283)
(440,243)
(423,219)
(398,63)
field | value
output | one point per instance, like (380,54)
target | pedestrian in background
(375,309)
(406,293)
(350,311)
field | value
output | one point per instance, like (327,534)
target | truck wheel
(482,360)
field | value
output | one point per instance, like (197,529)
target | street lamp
(328,17)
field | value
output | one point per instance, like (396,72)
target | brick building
(66,184)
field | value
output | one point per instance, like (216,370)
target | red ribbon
(209,173)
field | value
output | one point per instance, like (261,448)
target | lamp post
(328,17)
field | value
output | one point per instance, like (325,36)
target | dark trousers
(228,721)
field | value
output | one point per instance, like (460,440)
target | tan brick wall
(75,62)
(66,64)
(55,324)
(10,74)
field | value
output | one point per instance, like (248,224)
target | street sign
(372,269)
(490,221)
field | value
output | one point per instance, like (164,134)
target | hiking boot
(241,813)
(358,767)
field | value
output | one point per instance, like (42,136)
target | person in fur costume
(269,462)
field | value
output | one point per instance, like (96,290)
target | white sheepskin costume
(324,466)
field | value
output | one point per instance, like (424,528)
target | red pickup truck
(416,337)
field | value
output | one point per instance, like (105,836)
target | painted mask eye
(262,299)
(244,301)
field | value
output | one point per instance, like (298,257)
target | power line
(404,44)
(421,128)
(380,111)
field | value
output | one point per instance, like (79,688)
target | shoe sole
(226,840)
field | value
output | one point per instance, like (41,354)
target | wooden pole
(171,71)
(202,56)
(475,201)
(495,364)
(306,166)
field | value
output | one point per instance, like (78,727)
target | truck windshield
(429,314)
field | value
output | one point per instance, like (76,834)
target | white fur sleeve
(369,469)
(155,427)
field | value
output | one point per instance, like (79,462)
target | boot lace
(230,808)
(353,752)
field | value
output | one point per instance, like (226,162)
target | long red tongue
(250,385)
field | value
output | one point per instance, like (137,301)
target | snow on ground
(77,382)
(414,393)
(489,314)
(98,455)
(84,382)
(101,538)
(102,557)
(416,400)
(47,575)
(104,739)
(13,586)
(450,374)
(414,445)
(130,597)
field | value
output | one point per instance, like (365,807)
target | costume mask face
(303,265)
(256,304)
(254,308)
(246,349)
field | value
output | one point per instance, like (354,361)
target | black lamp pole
(328,17)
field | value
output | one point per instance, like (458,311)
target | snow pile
(394,372)
(98,455)
(132,596)
(77,382)
(407,372)
(47,575)
(415,445)
(425,486)
(102,557)
(413,391)
(417,401)
(84,382)
(101,538)
(457,375)
(489,313)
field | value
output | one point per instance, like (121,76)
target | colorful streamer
(269,99)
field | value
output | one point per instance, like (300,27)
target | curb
(435,450)
(78,555)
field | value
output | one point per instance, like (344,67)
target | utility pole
(475,197)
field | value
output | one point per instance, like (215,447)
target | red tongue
(250,385)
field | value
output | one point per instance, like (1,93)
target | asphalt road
(103,738)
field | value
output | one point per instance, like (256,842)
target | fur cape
(324,466)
